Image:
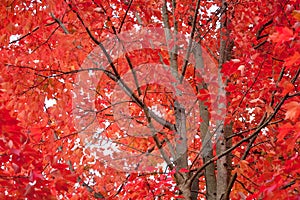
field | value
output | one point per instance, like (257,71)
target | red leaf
(287,87)
(183,170)
(293,110)
(283,34)
(294,59)
(284,130)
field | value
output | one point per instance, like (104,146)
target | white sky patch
(210,12)
(162,165)
(169,7)
(252,116)
(156,110)
(14,38)
(32,183)
(137,27)
(115,14)
(99,142)
(155,19)
(107,146)
(61,80)
(264,131)
(91,72)
(113,6)
(76,144)
(213,8)
(49,102)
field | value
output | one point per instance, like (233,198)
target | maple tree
(140,99)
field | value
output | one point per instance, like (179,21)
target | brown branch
(12,177)
(260,44)
(262,28)
(33,86)
(242,184)
(251,86)
(27,34)
(60,23)
(168,36)
(256,185)
(277,59)
(294,95)
(252,140)
(251,129)
(116,77)
(51,34)
(287,185)
(233,178)
(126,55)
(264,122)
(89,188)
(123,184)
(296,76)
(187,56)
(149,114)
(125,15)
(220,11)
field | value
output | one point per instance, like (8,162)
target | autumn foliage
(140,99)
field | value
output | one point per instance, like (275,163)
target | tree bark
(206,136)
(223,131)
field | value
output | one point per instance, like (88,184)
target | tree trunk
(206,136)
(224,163)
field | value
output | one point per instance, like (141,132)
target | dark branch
(60,23)
(190,41)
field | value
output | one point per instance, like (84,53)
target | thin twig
(125,15)
(187,56)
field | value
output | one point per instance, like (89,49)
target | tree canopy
(140,99)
